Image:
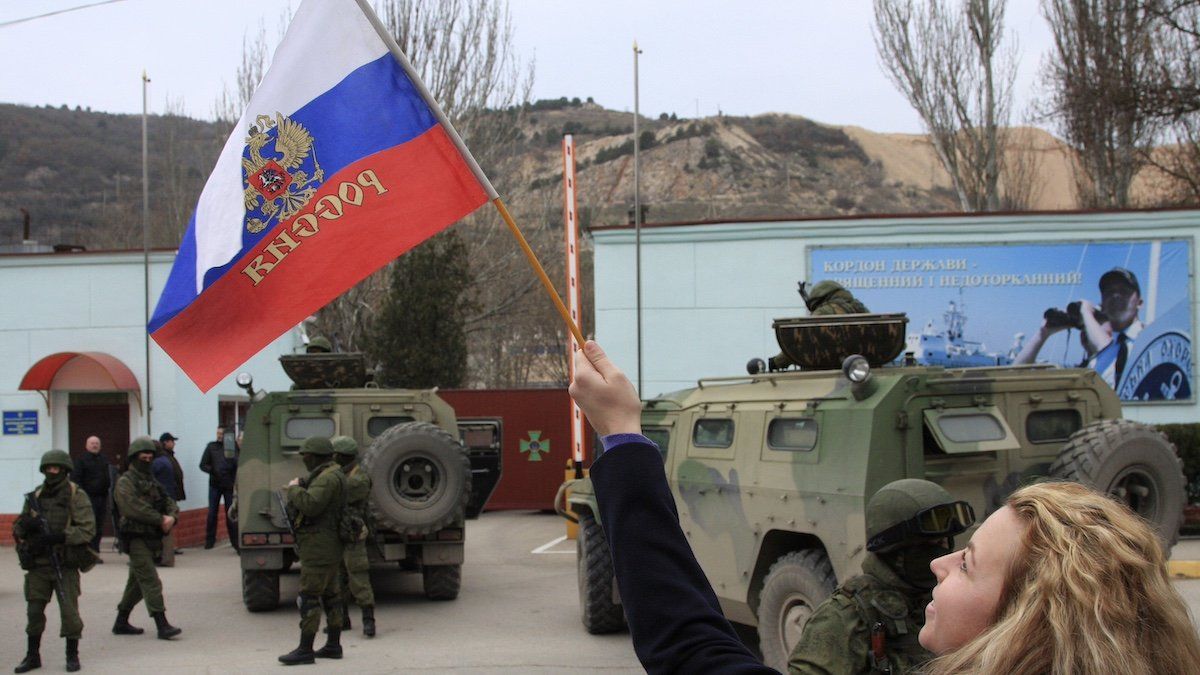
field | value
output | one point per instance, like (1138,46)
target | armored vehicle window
(792,433)
(660,436)
(713,433)
(1046,426)
(378,425)
(971,428)
(300,428)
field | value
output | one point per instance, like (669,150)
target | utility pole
(146,243)
(637,214)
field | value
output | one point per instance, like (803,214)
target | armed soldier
(355,575)
(871,622)
(52,534)
(318,502)
(827,297)
(147,513)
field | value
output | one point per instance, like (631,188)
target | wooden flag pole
(537,267)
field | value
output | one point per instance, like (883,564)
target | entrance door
(102,415)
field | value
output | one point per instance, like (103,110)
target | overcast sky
(803,57)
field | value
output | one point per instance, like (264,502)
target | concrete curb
(1184,569)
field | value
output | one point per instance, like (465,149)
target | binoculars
(1071,317)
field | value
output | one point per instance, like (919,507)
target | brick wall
(188,532)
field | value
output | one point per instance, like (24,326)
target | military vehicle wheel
(421,478)
(1134,463)
(442,581)
(602,613)
(260,590)
(794,586)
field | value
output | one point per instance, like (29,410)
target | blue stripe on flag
(374,108)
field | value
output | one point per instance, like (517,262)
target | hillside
(78,172)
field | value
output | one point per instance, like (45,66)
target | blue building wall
(711,290)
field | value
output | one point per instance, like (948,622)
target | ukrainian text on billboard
(1122,308)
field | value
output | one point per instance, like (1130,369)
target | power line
(59,11)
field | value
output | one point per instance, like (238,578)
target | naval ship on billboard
(947,347)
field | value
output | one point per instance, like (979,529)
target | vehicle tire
(420,478)
(794,586)
(601,611)
(442,581)
(260,590)
(1135,464)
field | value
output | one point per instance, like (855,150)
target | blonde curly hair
(1087,593)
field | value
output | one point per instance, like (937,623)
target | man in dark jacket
(92,474)
(166,470)
(147,513)
(219,461)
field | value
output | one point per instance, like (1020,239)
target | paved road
(518,613)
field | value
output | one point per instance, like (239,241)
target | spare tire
(420,478)
(1135,464)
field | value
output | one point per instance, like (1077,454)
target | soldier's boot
(72,655)
(165,630)
(333,646)
(369,621)
(33,655)
(123,627)
(302,654)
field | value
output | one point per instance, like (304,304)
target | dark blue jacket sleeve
(674,618)
(164,473)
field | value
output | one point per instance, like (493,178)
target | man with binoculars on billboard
(1107,332)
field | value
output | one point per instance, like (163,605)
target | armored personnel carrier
(771,472)
(409,443)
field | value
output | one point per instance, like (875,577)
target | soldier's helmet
(140,444)
(344,445)
(821,292)
(317,445)
(56,458)
(913,511)
(319,345)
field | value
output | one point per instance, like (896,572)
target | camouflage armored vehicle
(771,473)
(410,444)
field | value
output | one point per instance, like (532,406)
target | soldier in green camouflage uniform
(355,570)
(871,622)
(147,513)
(68,513)
(317,503)
(827,297)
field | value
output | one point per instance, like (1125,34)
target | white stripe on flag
(327,40)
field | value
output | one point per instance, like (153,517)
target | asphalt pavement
(518,612)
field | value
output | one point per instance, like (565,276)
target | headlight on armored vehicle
(856,369)
(244,380)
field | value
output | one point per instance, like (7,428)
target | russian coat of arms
(279,171)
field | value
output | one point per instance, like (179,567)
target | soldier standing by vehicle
(355,568)
(52,534)
(147,513)
(871,622)
(318,502)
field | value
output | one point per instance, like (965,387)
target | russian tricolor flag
(338,166)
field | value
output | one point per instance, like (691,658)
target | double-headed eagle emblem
(279,171)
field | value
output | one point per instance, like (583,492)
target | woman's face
(969,584)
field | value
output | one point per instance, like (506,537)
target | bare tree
(956,70)
(256,57)
(1102,61)
(1173,97)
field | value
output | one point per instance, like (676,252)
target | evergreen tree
(418,337)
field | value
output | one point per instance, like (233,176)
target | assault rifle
(283,509)
(43,528)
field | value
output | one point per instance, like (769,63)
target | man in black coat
(221,466)
(92,474)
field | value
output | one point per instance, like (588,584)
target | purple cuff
(613,440)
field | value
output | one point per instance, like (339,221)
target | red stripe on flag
(426,186)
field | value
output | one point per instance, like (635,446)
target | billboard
(1123,308)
